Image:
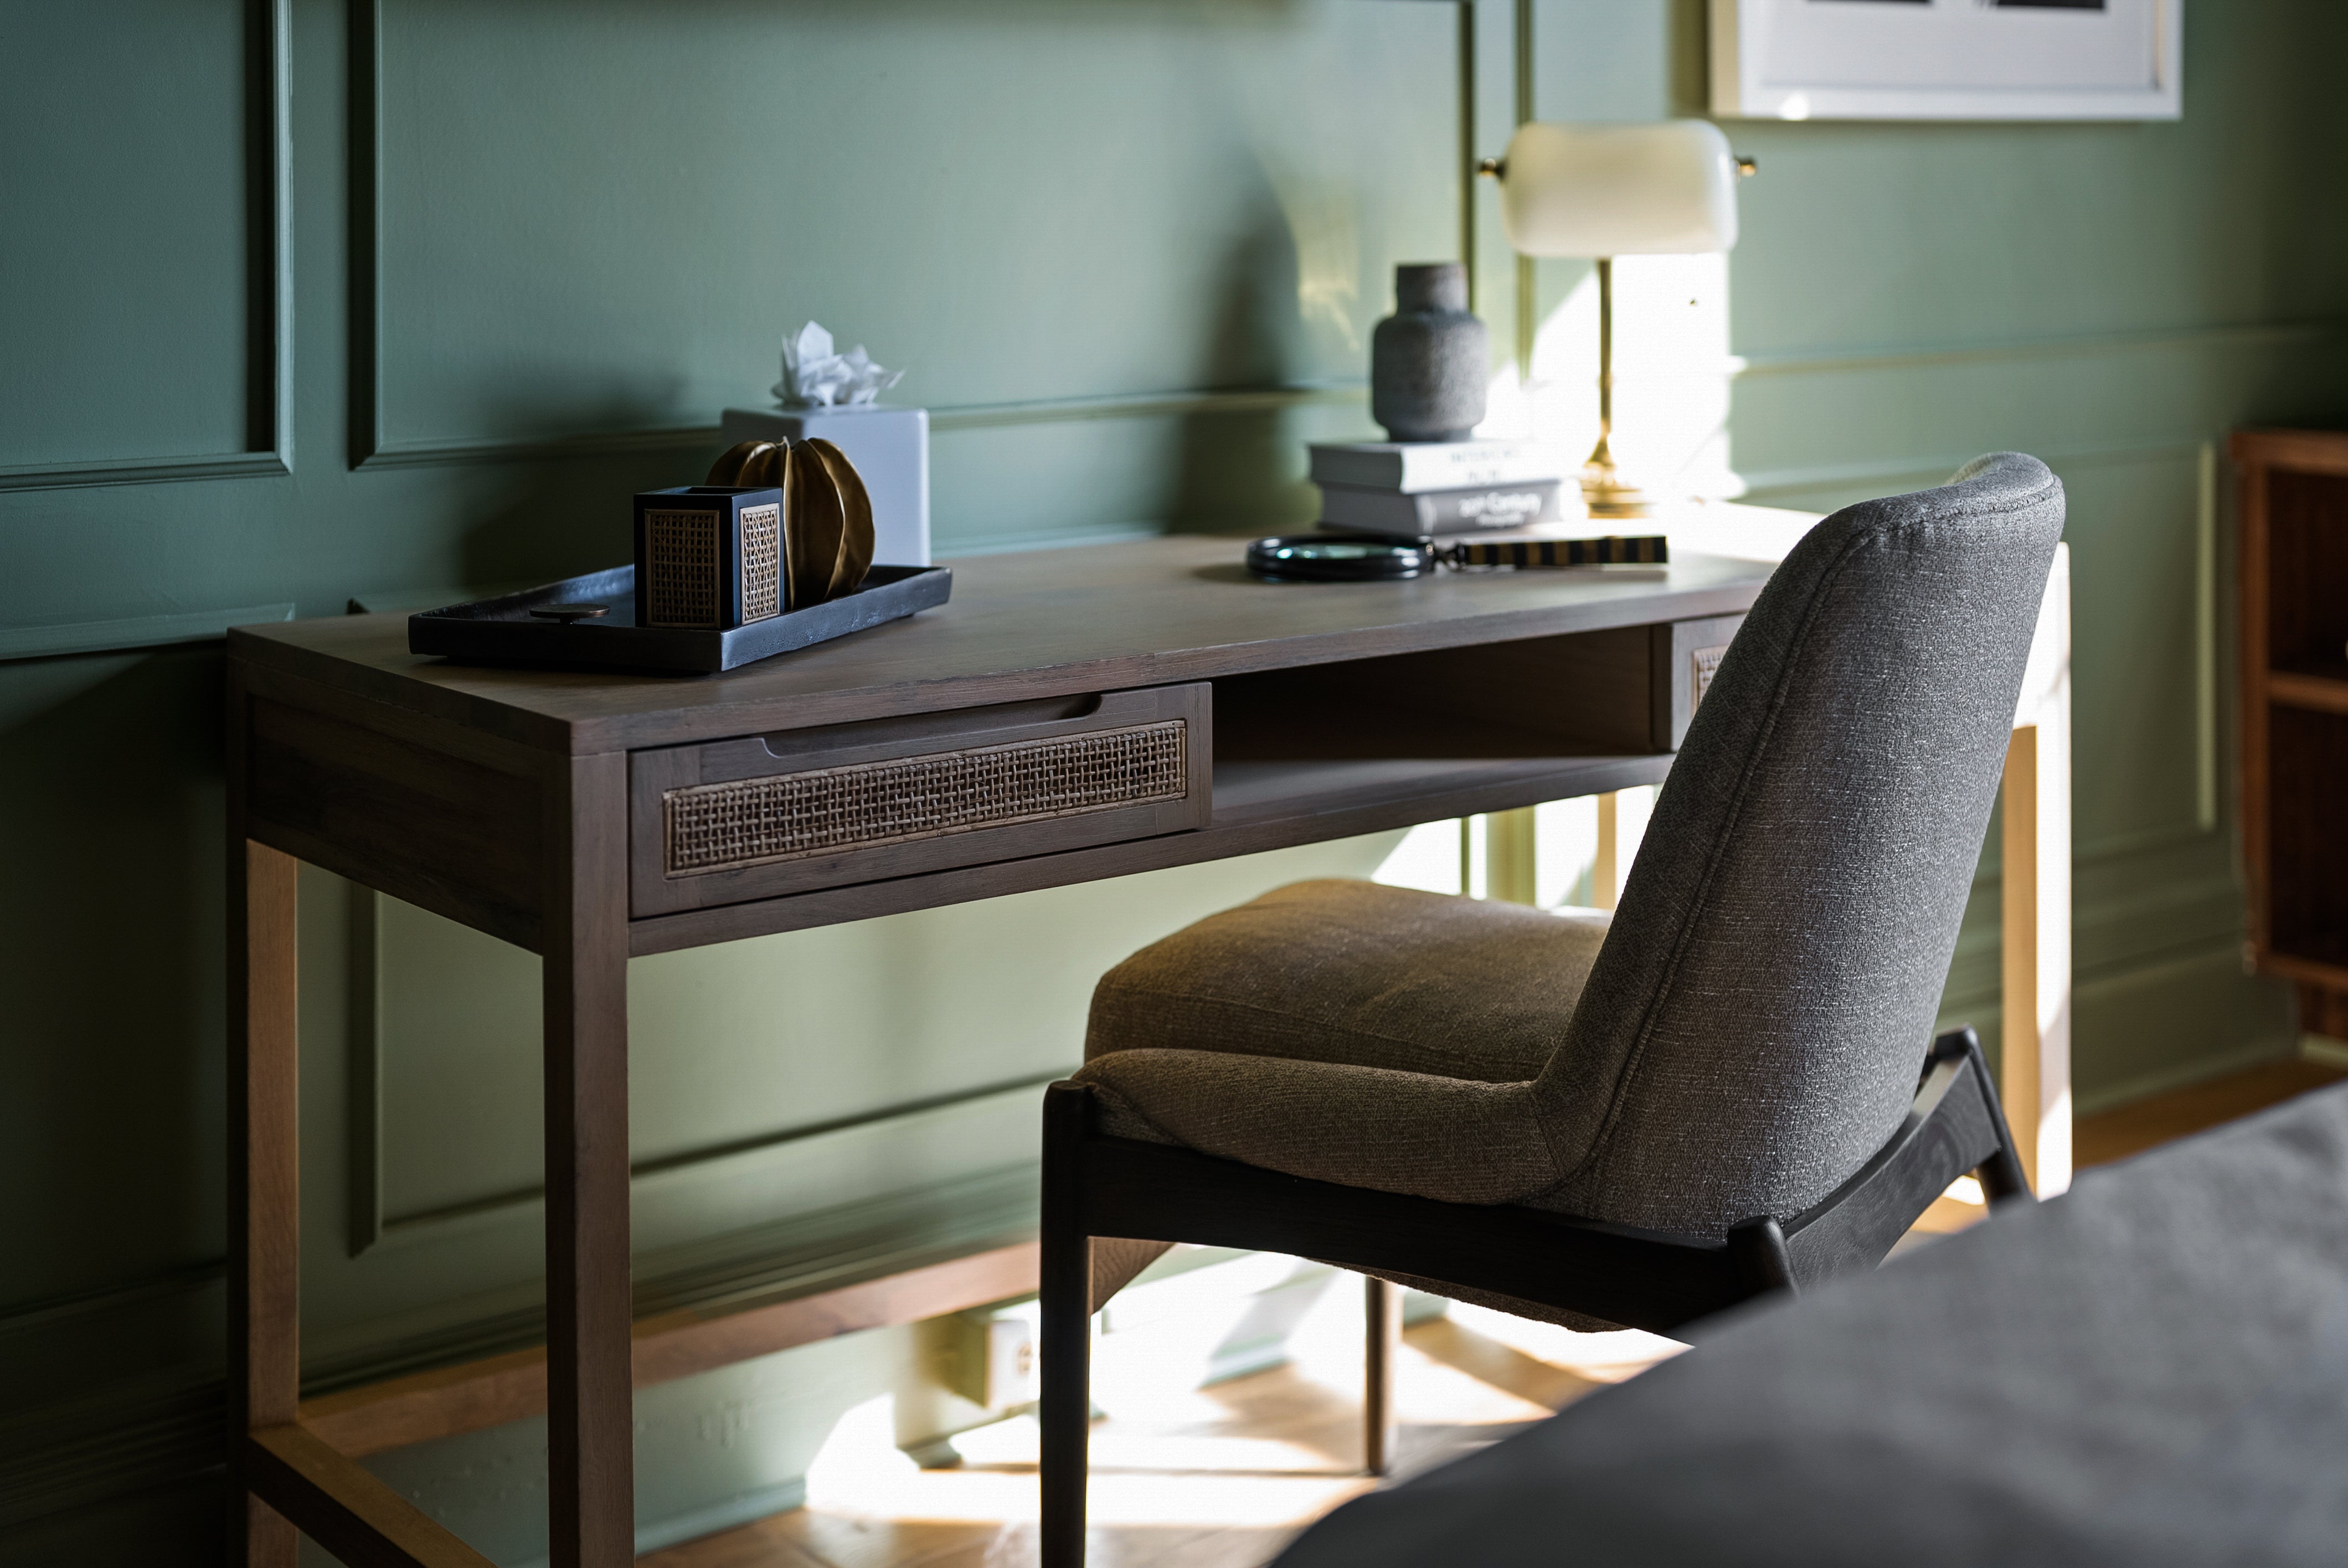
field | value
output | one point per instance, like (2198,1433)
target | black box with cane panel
(710,557)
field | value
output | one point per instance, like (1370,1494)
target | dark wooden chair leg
(2001,1175)
(1065,1297)
(1382,1342)
(1757,1247)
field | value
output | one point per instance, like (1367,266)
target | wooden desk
(555,810)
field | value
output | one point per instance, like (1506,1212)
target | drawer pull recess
(788,816)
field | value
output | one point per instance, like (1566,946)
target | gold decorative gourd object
(827,514)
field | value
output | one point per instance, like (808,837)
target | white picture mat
(1949,59)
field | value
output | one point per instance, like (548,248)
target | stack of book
(1417,488)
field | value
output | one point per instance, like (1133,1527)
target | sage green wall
(309,301)
(2114,298)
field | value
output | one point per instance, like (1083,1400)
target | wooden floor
(2148,1123)
(1221,1476)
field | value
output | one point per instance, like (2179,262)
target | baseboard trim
(101,1449)
(112,1442)
(2183,1075)
(803,1253)
(2324,1050)
(697,1522)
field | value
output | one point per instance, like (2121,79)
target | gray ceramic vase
(1429,360)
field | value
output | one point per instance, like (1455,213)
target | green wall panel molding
(1230,399)
(142,471)
(161,313)
(135,631)
(1019,144)
(551,449)
(1823,434)
(1930,355)
(974,416)
(1830,485)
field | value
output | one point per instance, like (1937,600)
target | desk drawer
(767,816)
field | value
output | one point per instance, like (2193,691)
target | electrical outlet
(1010,1362)
(992,1360)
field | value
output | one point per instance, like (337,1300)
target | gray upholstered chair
(1633,1123)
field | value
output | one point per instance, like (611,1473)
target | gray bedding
(2151,1371)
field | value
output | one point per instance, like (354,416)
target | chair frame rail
(1097,1185)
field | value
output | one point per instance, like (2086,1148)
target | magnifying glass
(1340,557)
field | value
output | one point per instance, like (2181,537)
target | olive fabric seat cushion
(1358,973)
(1346,1032)
(1376,1037)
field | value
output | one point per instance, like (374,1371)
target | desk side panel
(459,835)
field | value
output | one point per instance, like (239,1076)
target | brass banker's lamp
(1608,191)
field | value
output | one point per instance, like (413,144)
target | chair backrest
(1754,1026)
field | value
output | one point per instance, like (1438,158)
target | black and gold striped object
(1636,549)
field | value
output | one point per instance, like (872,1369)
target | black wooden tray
(503,631)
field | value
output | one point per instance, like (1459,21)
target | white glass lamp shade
(1668,188)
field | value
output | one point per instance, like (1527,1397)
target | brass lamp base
(1602,489)
(1606,495)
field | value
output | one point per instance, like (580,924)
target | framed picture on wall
(1947,59)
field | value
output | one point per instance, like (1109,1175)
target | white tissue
(815,378)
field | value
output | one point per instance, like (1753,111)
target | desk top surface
(1037,624)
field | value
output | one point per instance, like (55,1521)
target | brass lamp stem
(1601,484)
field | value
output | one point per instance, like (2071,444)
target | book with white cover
(1411,466)
(1461,511)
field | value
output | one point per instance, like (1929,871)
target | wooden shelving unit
(2293,523)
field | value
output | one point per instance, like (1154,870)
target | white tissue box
(890,449)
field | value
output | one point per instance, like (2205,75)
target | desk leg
(1606,865)
(264,1381)
(590,1460)
(2035,1022)
(1510,864)
(1511,861)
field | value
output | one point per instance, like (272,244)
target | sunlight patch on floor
(1266,1451)
(1184,1476)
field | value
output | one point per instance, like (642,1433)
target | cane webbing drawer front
(755,822)
(684,582)
(767,815)
(1686,654)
